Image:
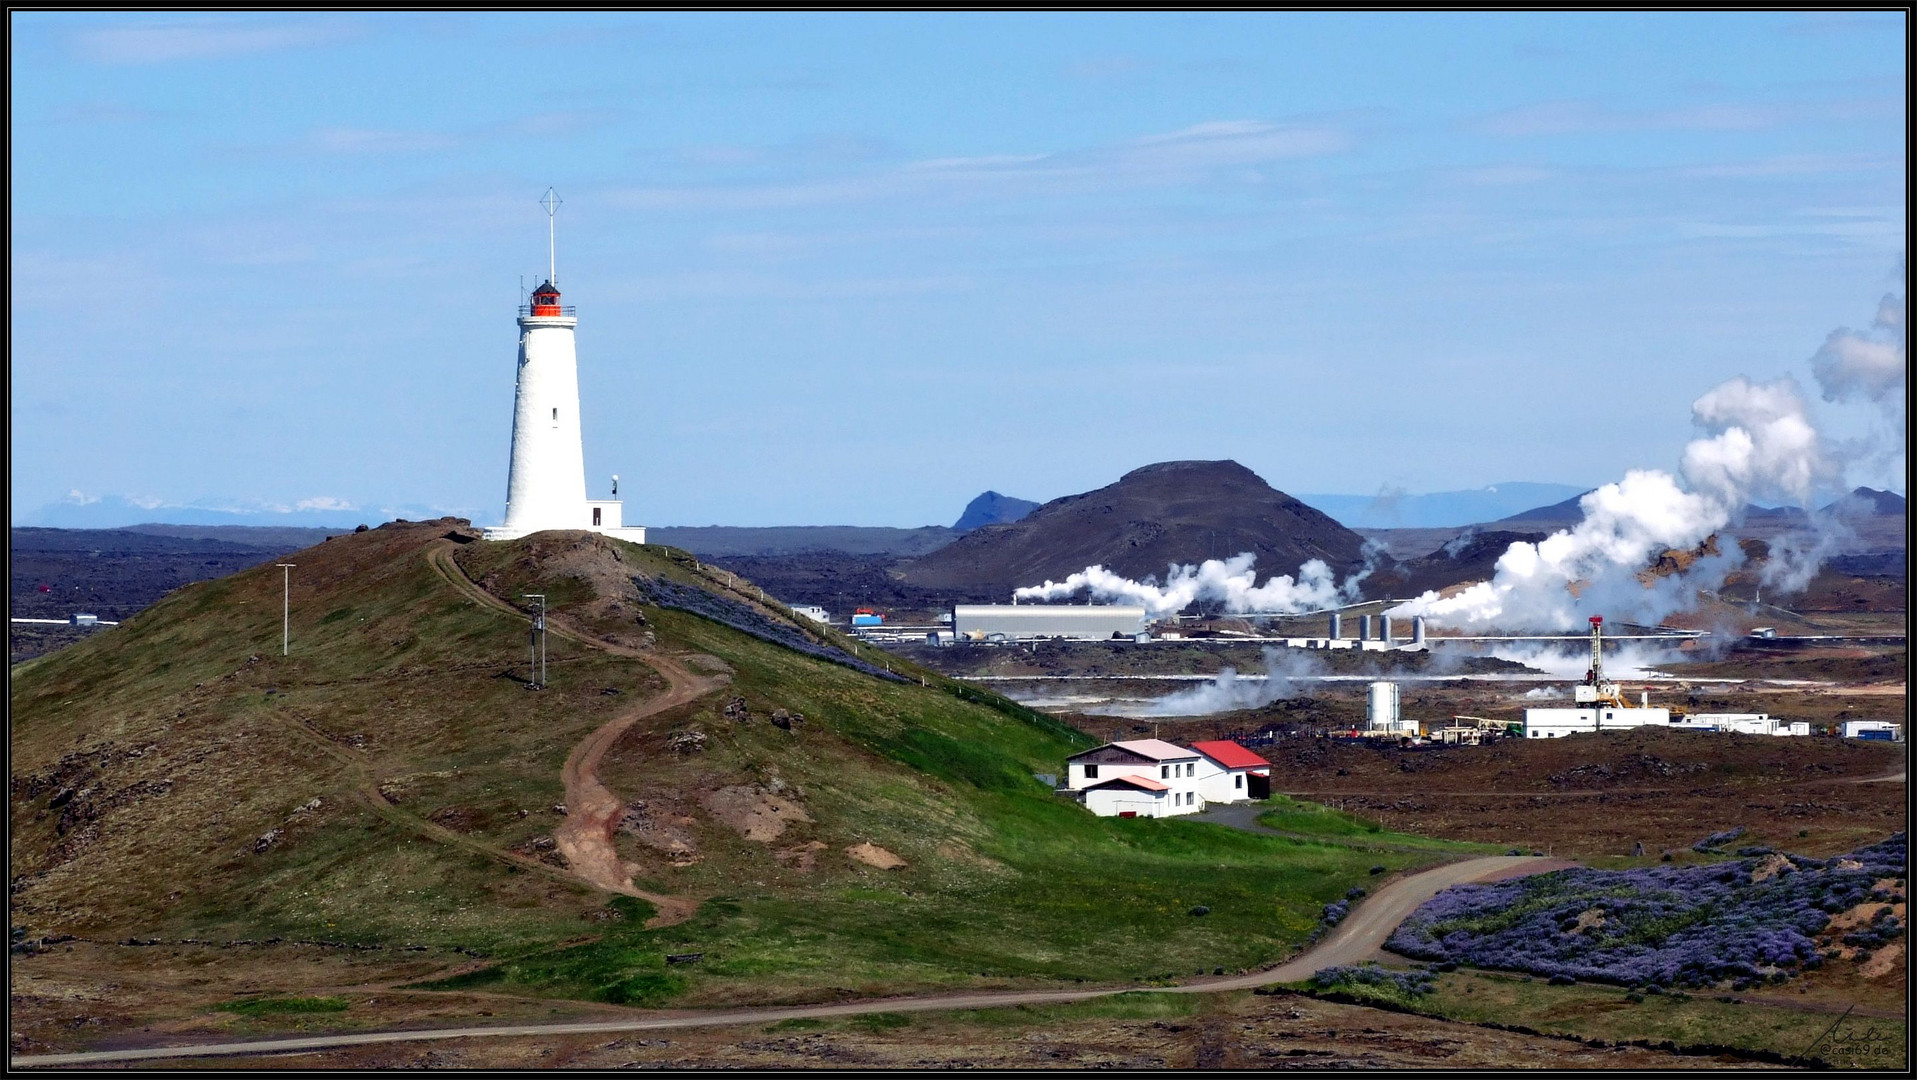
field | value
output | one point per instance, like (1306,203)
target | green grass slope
(393,781)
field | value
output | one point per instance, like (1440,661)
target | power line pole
(286,605)
(538,672)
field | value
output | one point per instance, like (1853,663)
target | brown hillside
(1172,512)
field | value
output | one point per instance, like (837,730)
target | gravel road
(1357,938)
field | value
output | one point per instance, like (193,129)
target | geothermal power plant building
(1014,622)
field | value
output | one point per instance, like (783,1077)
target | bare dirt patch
(803,858)
(664,826)
(753,812)
(1856,919)
(1882,962)
(873,855)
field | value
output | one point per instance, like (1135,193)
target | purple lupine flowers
(1655,926)
(1411,983)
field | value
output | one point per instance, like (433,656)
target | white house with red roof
(1228,772)
(1136,778)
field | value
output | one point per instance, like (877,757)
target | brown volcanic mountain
(1172,512)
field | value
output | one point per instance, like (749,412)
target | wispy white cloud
(1582,117)
(1879,232)
(1106,68)
(1852,23)
(324,502)
(1795,165)
(1190,155)
(206,38)
(101,112)
(374,141)
(367,141)
(1501,175)
(730,285)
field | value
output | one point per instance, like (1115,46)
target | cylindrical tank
(1384,629)
(1381,706)
(1417,630)
(1336,626)
(1364,628)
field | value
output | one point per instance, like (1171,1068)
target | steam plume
(1758,444)
(1230,691)
(1231,582)
(1871,366)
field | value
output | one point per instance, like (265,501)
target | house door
(1258,787)
(1128,813)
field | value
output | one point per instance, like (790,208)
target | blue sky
(855,269)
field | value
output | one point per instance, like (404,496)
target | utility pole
(286,605)
(538,642)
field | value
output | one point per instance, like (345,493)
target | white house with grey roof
(1136,778)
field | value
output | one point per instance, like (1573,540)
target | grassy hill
(394,783)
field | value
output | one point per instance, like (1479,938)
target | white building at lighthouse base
(607,511)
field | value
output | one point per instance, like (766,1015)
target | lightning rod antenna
(551,201)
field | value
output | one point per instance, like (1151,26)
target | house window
(1164,772)
(1237,781)
(1191,768)
(1091,772)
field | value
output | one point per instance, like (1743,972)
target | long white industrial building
(1025,622)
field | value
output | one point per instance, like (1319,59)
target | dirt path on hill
(1357,938)
(592,810)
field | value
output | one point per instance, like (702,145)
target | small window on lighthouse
(555,414)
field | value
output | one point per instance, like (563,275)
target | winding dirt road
(592,810)
(1361,934)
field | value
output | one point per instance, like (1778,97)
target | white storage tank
(1381,707)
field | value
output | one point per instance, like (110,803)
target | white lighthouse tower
(546,482)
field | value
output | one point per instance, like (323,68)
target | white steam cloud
(1230,692)
(1231,582)
(1759,445)
(1865,365)
(1871,366)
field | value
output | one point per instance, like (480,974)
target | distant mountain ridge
(1438,509)
(1861,502)
(721,541)
(992,508)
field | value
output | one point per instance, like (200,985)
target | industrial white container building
(1553,723)
(811,611)
(1026,622)
(1742,723)
(1873,729)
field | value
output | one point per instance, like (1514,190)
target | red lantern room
(545,300)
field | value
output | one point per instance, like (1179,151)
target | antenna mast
(551,201)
